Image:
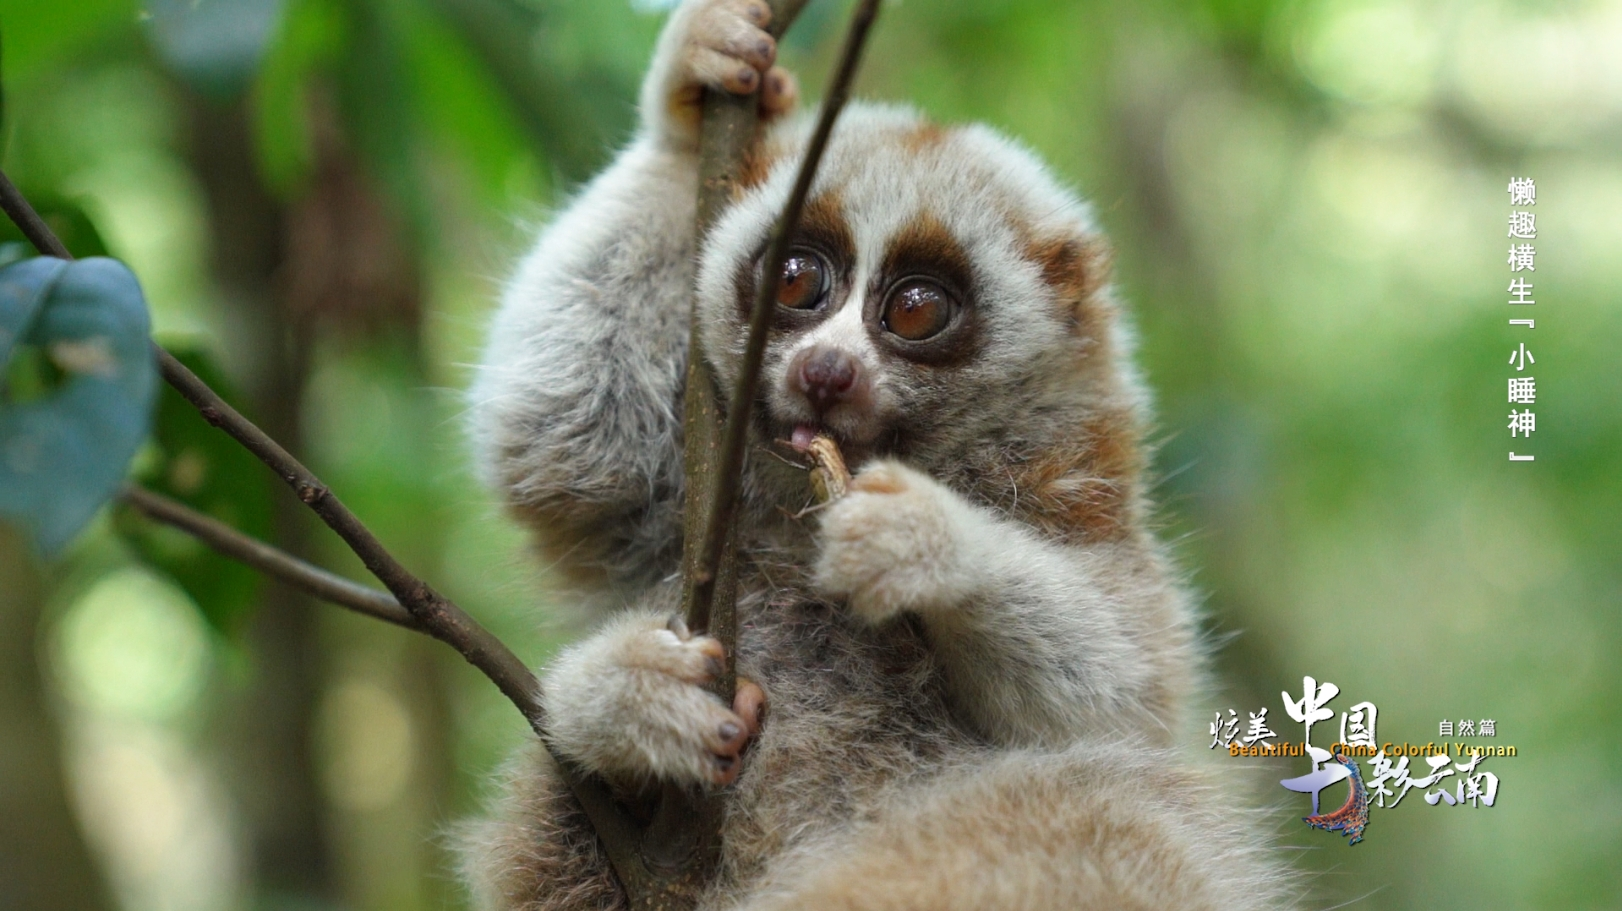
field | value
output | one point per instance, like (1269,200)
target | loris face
(855,341)
(940,291)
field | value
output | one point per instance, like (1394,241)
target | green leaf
(459,100)
(314,36)
(193,462)
(64,449)
(214,45)
(65,219)
(44,36)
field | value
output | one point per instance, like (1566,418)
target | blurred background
(1308,201)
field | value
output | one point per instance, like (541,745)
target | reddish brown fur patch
(757,165)
(1075,268)
(824,215)
(573,534)
(926,239)
(877,482)
(923,136)
(540,853)
(1086,489)
(574,563)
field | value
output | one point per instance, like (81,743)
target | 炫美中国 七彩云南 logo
(1452,777)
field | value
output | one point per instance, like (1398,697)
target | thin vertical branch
(684,836)
(722,513)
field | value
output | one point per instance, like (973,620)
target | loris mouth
(797,436)
(802,435)
(790,426)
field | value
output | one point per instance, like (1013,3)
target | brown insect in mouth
(830,479)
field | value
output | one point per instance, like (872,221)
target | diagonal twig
(436,615)
(28,221)
(269,560)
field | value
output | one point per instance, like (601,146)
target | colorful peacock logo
(1353,815)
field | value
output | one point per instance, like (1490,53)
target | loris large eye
(917,310)
(804,282)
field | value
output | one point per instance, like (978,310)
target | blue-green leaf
(64,448)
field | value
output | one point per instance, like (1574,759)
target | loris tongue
(801,439)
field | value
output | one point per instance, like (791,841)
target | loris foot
(630,703)
(899,540)
(714,44)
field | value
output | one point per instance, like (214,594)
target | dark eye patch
(923,296)
(815,273)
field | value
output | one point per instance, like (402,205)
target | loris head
(945,301)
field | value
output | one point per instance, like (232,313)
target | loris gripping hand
(898,541)
(717,44)
(1034,648)
(629,703)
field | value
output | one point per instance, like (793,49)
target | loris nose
(826,376)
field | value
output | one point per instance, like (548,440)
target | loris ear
(1077,268)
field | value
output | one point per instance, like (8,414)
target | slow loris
(974,661)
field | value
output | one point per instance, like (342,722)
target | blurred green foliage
(1307,201)
(192,462)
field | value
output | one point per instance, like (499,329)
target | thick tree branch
(269,560)
(684,837)
(726,133)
